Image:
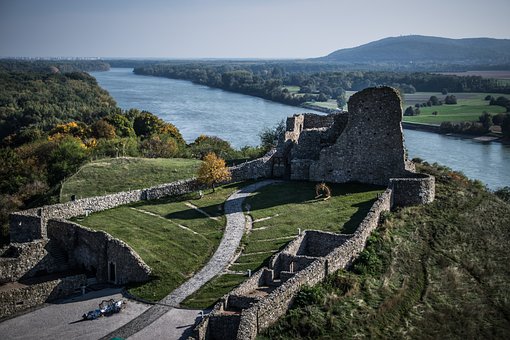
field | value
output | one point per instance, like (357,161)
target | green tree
(434,100)
(269,137)
(204,145)
(146,124)
(341,99)
(450,99)
(103,129)
(505,126)
(122,124)
(486,120)
(69,154)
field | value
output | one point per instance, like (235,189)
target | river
(237,118)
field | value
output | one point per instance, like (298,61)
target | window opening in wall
(112,272)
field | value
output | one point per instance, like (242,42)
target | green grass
(434,271)
(112,175)
(152,229)
(292,89)
(468,108)
(330,104)
(213,289)
(291,205)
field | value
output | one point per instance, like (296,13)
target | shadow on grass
(284,193)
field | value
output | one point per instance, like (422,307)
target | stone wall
(26,296)
(255,169)
(263,311)
(31,224)
(415,190)
(26,226)
(96,251)
(371,148)
(21,258)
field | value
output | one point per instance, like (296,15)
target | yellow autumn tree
(213,170)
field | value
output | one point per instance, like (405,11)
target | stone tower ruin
(365,144)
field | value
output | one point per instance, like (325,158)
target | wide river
(238,118)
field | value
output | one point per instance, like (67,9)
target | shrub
(503,193)
(450,100)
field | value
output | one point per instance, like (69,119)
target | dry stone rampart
(17,300)
(255,169)
(96,251)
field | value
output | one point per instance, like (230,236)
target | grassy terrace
(112,175)
(174,239)
(278,211)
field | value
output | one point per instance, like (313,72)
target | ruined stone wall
(315,121)
(419,189)
(26,226)
(370,149)
(21,258)
(255,169)
(21,298)
(320,243)
(343,256)
(266,311)
(95,250)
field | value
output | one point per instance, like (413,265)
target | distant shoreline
(436,129)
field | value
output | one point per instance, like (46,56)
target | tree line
(270,81)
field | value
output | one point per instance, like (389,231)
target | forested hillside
(426,50)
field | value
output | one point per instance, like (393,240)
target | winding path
(232,236)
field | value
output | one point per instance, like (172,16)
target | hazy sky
(233,28)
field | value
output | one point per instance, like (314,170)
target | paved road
(149,322)
(62,320)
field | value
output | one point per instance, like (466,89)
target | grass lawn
(172,238)
(112,175)
(278,211)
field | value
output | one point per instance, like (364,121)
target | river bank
(238,119)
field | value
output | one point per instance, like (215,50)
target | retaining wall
(265,311)
(97,250)
(27,296)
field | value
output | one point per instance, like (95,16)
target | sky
(232,28)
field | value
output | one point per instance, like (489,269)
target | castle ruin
(364,144)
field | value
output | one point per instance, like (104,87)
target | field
(468,108)
(278,212)
(174,239)
(330,104)
(112,175)
(429,272)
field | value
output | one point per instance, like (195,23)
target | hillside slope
(435,271)
(425,49)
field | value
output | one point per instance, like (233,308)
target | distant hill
(426,50)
